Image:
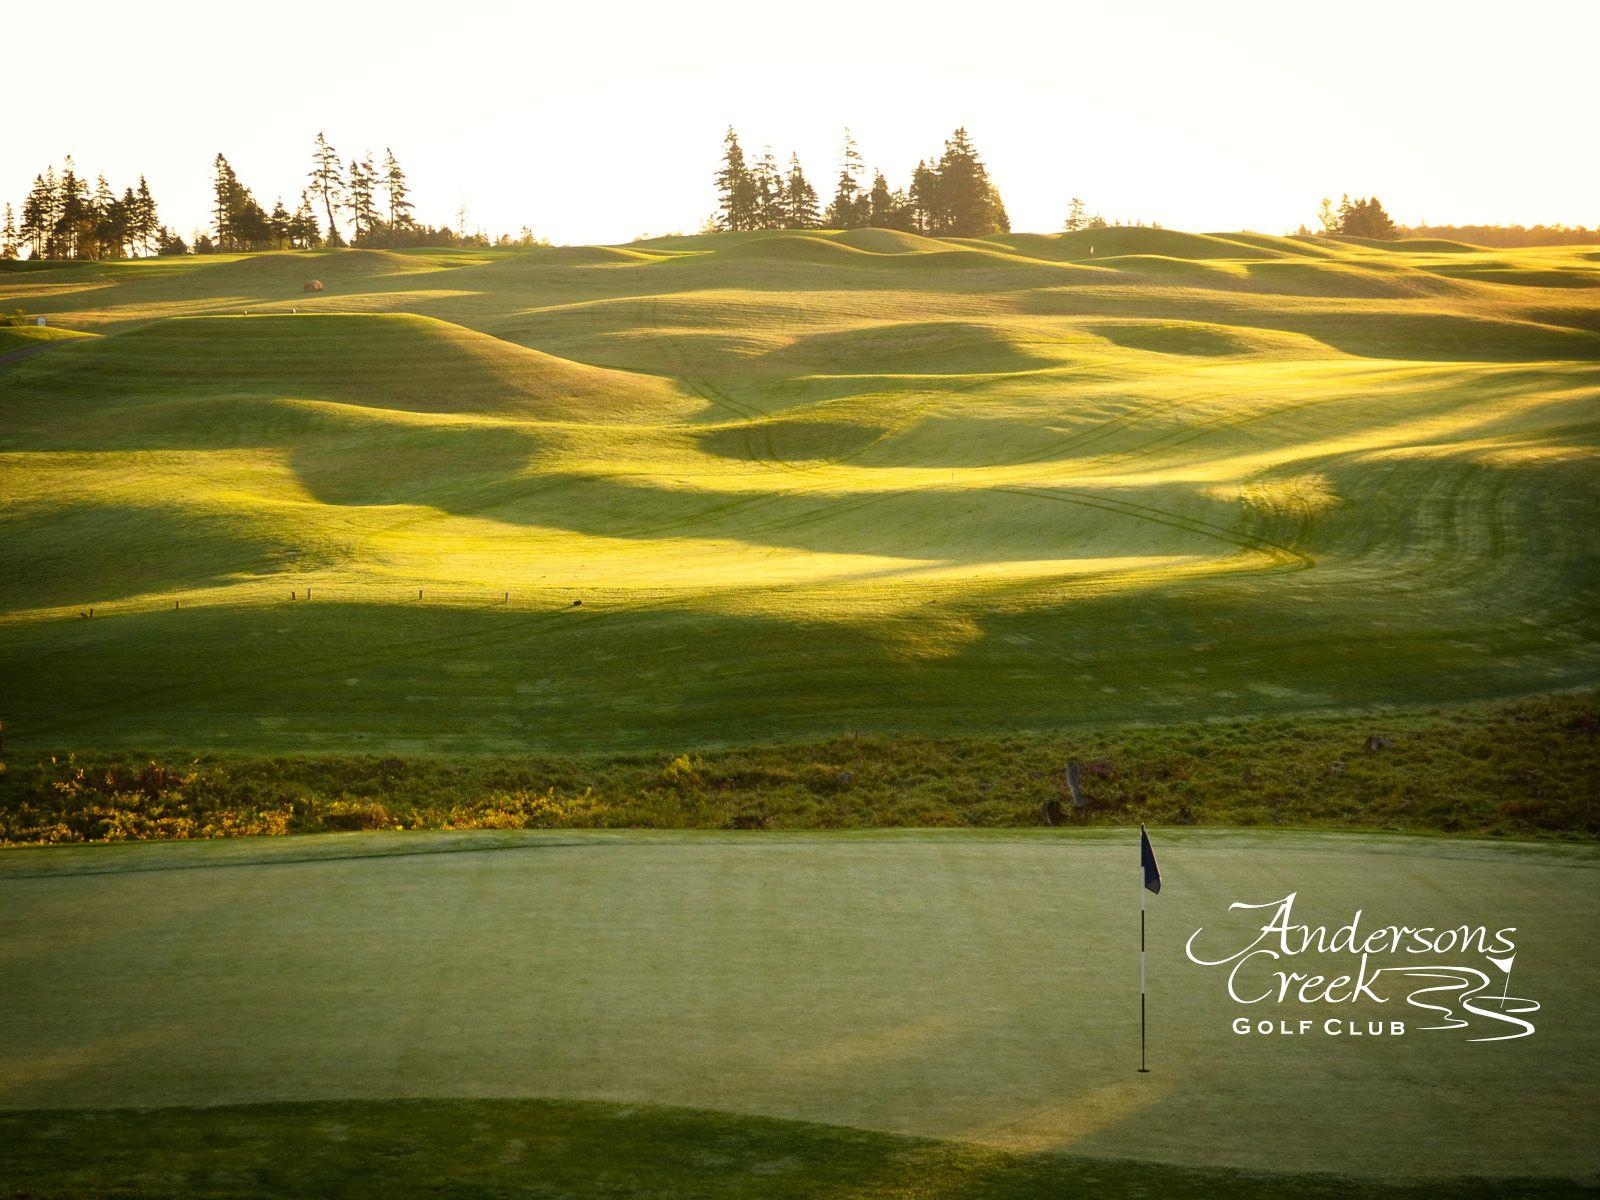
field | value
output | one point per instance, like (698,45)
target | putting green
(800,483)
(976,989)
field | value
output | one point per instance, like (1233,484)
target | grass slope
(976,989)
(801,483)
(574,1151)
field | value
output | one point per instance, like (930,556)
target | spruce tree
(845,212)
(799,199)
(327,184)
(768,186)
(967,203)
(394,180)
(146,222)
(278,223)
(303,231)
(735,187)
(36,217)
(923,198)
(224,202)
(363,202)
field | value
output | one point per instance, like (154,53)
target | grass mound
(803,482)
(399,361)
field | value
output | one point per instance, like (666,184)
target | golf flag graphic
(1152,883)
(1147,860)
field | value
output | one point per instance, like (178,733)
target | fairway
(800,483)
(976,989)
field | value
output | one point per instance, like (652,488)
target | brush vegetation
(1523,769)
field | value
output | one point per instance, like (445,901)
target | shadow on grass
(550,1148)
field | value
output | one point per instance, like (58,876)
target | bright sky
(595,122)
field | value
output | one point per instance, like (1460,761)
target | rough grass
(1524,769)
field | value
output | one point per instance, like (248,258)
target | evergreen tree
(363,200)
(327,184)
(304,234)
(966,202)
(169,243)
(36,217)
(8,236)
(846,211)
(278,222)
(768,186)
(923,197)
(799,199)
(146,223)
(735,187)
(73,230)
(224,200)
(1366,218)
(880,203)
(1077,216)
(394,180)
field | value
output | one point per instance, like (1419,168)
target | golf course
(758,487)
(910,1013)
(636,609)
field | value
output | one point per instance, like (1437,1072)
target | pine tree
(1077,216)
(399,204)
(735,187)
(799,199)
(327,184)
(845,212)
(8,236)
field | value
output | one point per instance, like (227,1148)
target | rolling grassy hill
(801,483)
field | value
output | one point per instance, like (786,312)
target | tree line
(1355,218)
(372,198)
(949,196)
(63,217)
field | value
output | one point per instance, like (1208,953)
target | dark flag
(1147,860)
(1152,883)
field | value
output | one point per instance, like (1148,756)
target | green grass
(802,485)
(1521,769)
(977,991)
(574,1151)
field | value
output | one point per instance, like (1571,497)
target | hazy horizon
(605,125)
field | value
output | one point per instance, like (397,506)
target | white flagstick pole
(1142,1068)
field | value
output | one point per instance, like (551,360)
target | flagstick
(1142,1068)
